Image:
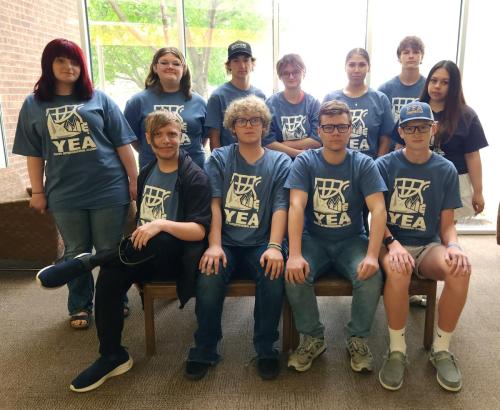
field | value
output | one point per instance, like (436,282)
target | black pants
(115,280)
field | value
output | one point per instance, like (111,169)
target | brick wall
(25,28)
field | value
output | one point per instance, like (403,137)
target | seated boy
(329,187)
(420,239)
(249,211)
(173,202)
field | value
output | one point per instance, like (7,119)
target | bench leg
(149,323)
(430,312)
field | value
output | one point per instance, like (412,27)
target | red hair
(45,87)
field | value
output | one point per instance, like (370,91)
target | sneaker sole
(47,267)
(446,387)
(39,282)
(123,368)
(443,385)
(361,369)
(308,365)
(386,386)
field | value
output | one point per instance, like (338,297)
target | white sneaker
(309,348)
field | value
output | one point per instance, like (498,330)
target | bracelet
(454,245)
(275,246)
(37,193)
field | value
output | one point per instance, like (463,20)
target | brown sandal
(80,321)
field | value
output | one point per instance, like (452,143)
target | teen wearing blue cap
(420,239)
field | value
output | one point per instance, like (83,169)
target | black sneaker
(268,368)
(196,370)
(101,370)
(55,276)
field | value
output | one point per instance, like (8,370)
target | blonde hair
(159,119)
(247,105)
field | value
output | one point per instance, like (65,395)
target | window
(212,25)
(322,33)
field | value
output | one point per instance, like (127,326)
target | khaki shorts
(466,193)
(418,253)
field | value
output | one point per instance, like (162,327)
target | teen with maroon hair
(79,140)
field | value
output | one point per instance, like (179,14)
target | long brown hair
(454,101)
(152,79)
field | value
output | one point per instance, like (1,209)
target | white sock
(441,340)
(397,340)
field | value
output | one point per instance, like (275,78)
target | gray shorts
(418,253)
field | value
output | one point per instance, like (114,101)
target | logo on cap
(414,109)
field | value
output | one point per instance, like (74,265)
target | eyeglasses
(170,64)
(243,122)
(330,128)
(293,74)
(411,129)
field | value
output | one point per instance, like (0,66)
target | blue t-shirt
(468,137)
(78,141)
(160,199)
(335,193)
(292,122)
(250,193)
(371,118)
(400,94)
(218,103)
(192,113)
(417,194)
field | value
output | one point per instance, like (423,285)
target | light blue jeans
(343,257)
(81,230)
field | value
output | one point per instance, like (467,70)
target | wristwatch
(388,240)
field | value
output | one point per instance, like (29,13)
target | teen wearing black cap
(240,63)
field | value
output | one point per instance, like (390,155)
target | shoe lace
(306,344)
(359,346)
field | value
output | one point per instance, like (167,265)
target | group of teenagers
(283,198)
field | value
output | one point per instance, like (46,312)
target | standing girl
(294,127)
(372,120)
(460,134)
(168,87)
(78,139)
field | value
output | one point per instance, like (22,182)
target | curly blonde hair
(248,105)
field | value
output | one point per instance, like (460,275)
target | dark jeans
(115,279)
(242,263)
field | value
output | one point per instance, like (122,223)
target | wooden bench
(326,286)
(166,290)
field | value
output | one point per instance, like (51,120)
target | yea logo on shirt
(153,203)
(329,203)
(176,109)
(407,206)
(242,202)
(68,131)
(359,134)
(292,127)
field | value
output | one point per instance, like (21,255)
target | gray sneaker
(392,373)
(309,348)
(448,373)
(361,357)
